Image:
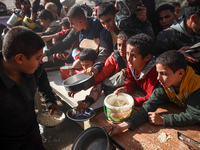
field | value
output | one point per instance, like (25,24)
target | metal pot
(94,138)
(78,82)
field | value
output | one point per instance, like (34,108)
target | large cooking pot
(94,138)
(78,82)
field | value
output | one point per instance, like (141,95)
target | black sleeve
(64,44)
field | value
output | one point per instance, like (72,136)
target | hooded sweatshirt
(188,97)
(174,38)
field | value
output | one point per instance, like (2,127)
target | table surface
(146,135)
(56,84)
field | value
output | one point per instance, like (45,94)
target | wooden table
(55,80)
(146,136)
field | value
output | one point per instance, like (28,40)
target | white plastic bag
(116,80)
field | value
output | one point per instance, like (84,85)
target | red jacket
(110,68)
(147,84)
(64,33)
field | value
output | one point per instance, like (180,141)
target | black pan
(78,82)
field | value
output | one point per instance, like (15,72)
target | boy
(21,74)
(141,70)
(180,85)
(114,63)
(65,30)
(85,28)
(87,59)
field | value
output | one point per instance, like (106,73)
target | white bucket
(13,20)
(118,114)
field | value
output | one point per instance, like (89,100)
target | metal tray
(75,116)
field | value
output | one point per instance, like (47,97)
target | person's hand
(91,70)
(142,13)
(52,108)
(155,118)
(120,90)
(124,72)
(113,129)
(46,38)
(82,106)
(71,94)
(188,57)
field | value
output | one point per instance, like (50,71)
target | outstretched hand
(113,129)
(120,90)
(91,70)
(52,108)
(142,13)
(188,57)
(155,118)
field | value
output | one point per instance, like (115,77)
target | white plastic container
(13,20)
(87,43)
(118,114)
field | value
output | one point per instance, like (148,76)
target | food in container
(119,113)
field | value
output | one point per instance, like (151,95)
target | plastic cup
(66,72)
(13,20)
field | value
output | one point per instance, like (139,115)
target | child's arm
(107,69)
(189,117)
(49,37)
(45,89)
(157,98)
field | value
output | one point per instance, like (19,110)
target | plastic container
(87,43)
(29,22)
(115,113)
(13,20)
(66,72)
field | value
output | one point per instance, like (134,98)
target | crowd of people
(139,47)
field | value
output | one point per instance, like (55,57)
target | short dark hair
(65,22)
(189,11)
(165,7)
(76,12)
(105,9)
(143,42)
(88,54)
(172,59)
(125,34)
(20,39)
(46,14)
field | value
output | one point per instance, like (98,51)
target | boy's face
(135,60)
(30,65)
(86,64)
(121,46)
(44,23)
(166,76)
(166,18)
(195,25)
(17,4)
(177,12)
(76,24)
(108,22)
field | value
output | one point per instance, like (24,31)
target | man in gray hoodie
(181,36)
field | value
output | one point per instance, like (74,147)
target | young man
(181,36)
(179,84)
(21,74)
(106,14)
(141,70)
(85,28)
(166,16)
